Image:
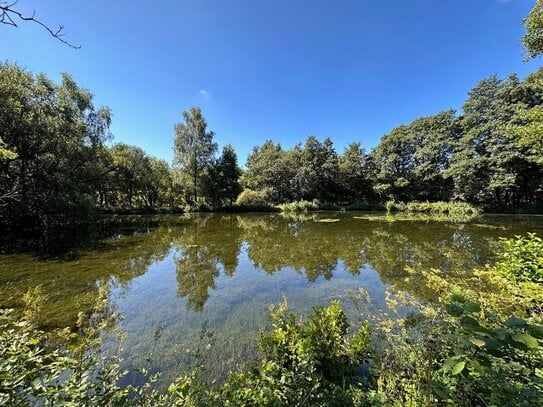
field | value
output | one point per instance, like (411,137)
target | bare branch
(8,16)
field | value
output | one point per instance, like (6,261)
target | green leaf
(515,323)
(458,367)
(458,297)
(469,322)
(536,330)
(440,389)
(449,363)
(501,333)
(477,342)
(526,339)
(492,343)
(472,307)
(454,310)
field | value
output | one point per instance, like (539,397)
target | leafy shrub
(390,206)
(195,207)
(308,363)
(487,356)
(393,206)
(522,258)
(35,371)
(248,197)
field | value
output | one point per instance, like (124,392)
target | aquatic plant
(299,206)
(328,220)
(450,208)
(467,348)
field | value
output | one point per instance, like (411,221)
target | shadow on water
(172,273)
(71,239)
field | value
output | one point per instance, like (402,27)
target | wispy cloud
(203,95)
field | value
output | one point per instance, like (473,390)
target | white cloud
(203,95)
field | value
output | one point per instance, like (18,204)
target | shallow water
(173,276)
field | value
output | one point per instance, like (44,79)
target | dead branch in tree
(10,16)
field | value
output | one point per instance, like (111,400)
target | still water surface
(173,276)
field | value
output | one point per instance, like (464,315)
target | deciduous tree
(194,149)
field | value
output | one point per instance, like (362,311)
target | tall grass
(435,208)
(299,206)
(307,206)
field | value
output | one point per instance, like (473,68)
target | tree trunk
(195,184)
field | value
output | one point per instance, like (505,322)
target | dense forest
(57,160)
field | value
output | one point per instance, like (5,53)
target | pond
(176,278)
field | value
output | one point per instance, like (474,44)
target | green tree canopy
(53,134)
(222,180)
(270,168)
(194,149)
(410,161)
(533,38)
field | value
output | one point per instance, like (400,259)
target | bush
(195,207)
(522,258)
(309,363)
(250,197)
(393,206)
(437,208)
(36,371)
(390,206)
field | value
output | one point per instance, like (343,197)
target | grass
(434,208)
(299,206)
(307,206)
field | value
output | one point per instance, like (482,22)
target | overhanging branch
(10,16)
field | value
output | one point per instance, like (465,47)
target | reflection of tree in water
(316,248)
(207,245)
(279,243)
(390,248)
(196,273)
(71,285)
(203,248)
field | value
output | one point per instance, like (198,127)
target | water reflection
(313,249)
(177,272)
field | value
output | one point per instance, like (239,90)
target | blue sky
(347,69)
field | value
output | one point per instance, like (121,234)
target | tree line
(489,154)
(56,159)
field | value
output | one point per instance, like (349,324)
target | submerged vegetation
(452,335)
(466,348)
